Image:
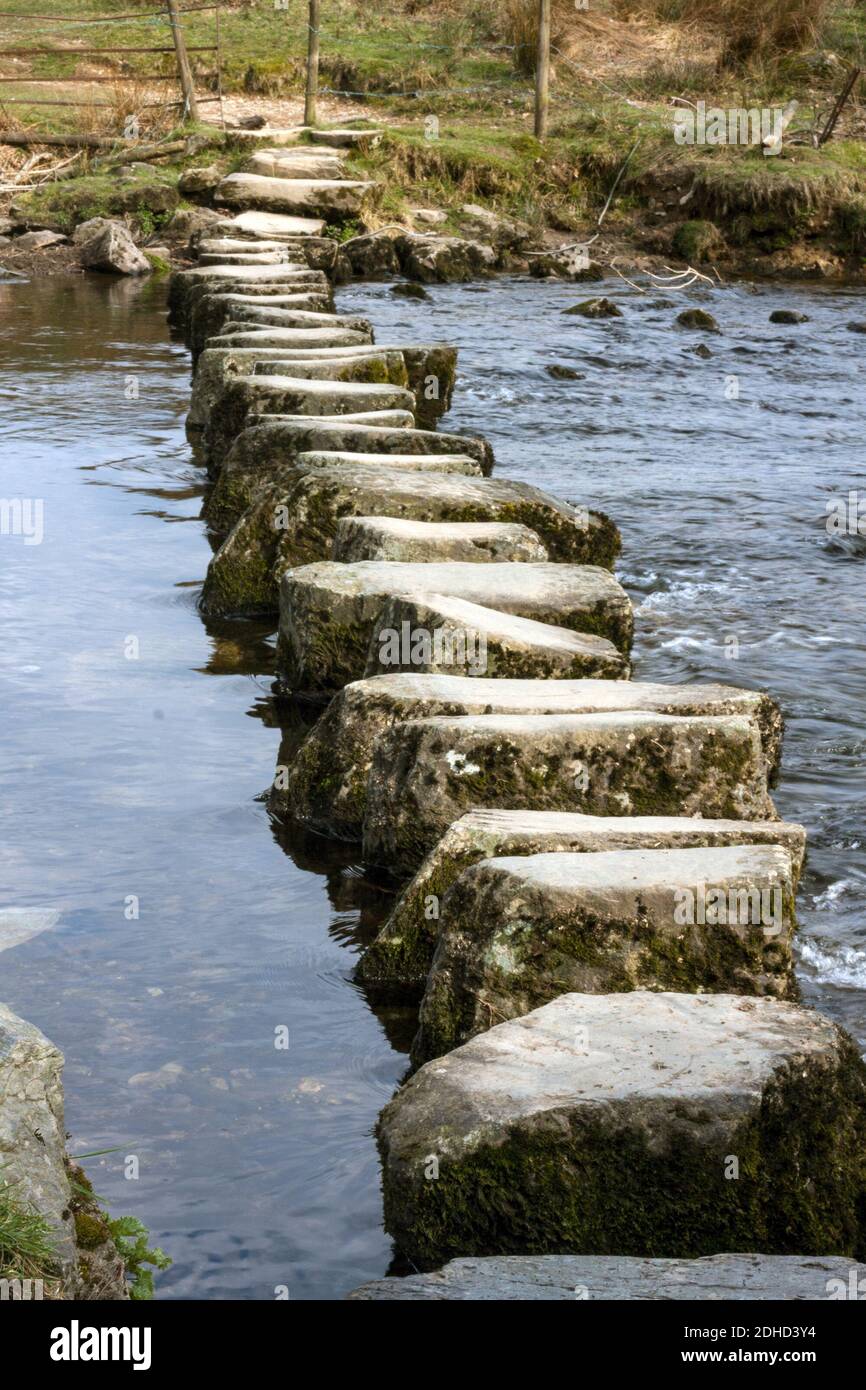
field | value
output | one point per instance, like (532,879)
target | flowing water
(181,927)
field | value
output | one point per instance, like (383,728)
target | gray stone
(305,308)
(242,258)
(564,1278)
(398,961)
(612,1124)
(517,932)
(292,165)
(216,366)
(329,611)
(788,316)
(249,279)
(374,255)
(284,395)
(369,537)
(698,318)
(39,241)
(230,246)
(440,633)
(428,772)
(571,264)
(327,786)
(331,199)
(93,227)
(275,225)
(200,182)
(595,309)
(400,538)
(113,252)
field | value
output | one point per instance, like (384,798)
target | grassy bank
(452,84)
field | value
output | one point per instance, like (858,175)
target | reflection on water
(190,927)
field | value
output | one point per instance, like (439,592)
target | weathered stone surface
(93,227)
(410,463)
(242,258)
(199,182)
(517,932)
(444,258)
(563,1278)
(327,787)
(373,256)
(698,318)
(439,633)
(314,165)
(595,309)
(284,395)
(329,611)
(19,924)
(279,226)
(503,233)
(331,199)
(249,279)
(229,246)
(113,252)
(38,241)
(307,308)
(398,538)
(215,366)
(570,264)
(609,1123)
(428,772)
(398,961)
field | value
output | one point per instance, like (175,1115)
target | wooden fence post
(312,65)
(542,70)
(183,67)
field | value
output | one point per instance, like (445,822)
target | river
(183,928)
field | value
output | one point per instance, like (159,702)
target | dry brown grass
(745,28)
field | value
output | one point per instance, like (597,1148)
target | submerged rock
(517,932)
(329,611)
(399,538)
(562,1278)
(788,316)
(698,318)
(595,309)
(427,772)
(561,373)
(398,961)
(327,784)
(408,289)
(639,1124)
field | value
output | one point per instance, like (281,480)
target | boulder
(399,538)
(595,309)
(502,233)
(441,634)
(572,263)
(329,611)
(397,963)
(640,1124)
(39,241)
(564,1278)
(332,199)
(113,252)
(444,258)
(327,785)
(189,222)
(200,182)
(285,395)
(517,932)
(788,316)
(374,256)
(698,318)
(428,772)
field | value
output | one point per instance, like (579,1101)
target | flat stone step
(294,165)
(401,538)
(410,463)
(259,395)
(231,245)
(328,198)
(327,784)
(438,633)
(291,135)
(428,772)
(242,258)
(398,961)
(516,933)
(215,366)
(277,225)
(318,599)
(302,152)
(270,279)
(601,1278)
(212,311)
(663,1124)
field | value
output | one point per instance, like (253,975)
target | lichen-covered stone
(398,961)
(271,279)
(215,366)
(400,538)
(287,395)
(517,932)
(444,634)
(328,611)
(623,1278)
(327,787)
(426,773)
(332,199)
(410,463)
(640,1124)
(308,166)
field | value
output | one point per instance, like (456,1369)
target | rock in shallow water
(398,961)
(641,1124)
(517,932)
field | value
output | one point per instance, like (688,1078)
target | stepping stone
(428,772)
(333,199)
(213,310)
(409,463)
(327,786)
(564,1278)
(329,612)
(296,166)
(399,538)
(670,1125)
(291,135)
(517,932)
(277,225)
(444,635)
(353,139)
(216,366)
(231,246)
(271,279)
(244,258)
(398,961)
(286,395)
(441,634)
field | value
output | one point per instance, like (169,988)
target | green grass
(26,1244)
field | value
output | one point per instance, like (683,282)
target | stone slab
(328,198)
(402,538)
